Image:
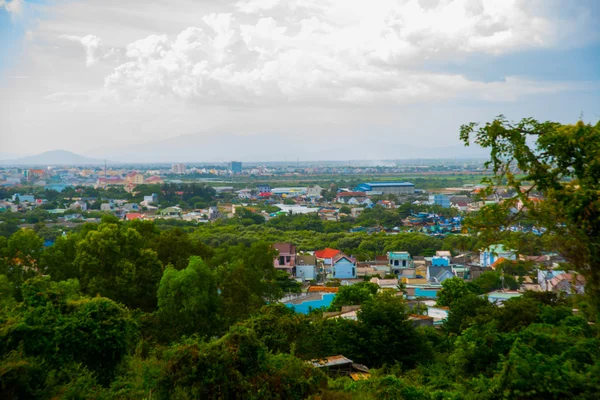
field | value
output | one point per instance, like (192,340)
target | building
(306,267)
(134,178)
(263,188)
(327,255)
(441,200)
(314,192)
(171,212)
(398,260)
(438,274)
(344,267)
(353,198)
(489,256)
(131,207)
(386,188)
(286,259)
(153,198)
(178,168)
(235,167)
(78,205)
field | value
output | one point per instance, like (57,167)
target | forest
(136,310)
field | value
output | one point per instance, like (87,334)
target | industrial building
(376,188)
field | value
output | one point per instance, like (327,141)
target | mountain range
(224,147)
(264,148)
(53,157)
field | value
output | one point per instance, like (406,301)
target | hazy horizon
(281,80)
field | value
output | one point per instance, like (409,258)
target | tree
(345,210)
(188,302)
(354,295)
(287,284)
(452,290)
(59,326)
(559,162)
(384,334)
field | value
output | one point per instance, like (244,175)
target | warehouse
(376,188)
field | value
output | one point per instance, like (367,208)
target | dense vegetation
(136,310)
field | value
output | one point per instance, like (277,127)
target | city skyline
(251,80)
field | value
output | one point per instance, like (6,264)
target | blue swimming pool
(306,306)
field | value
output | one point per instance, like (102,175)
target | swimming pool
(306,306)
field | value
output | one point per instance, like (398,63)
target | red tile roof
(327,253)
(132,216)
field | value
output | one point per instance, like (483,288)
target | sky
(286,79)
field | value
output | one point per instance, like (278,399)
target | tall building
(178,168)
(236,167)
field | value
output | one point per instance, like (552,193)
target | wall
(344,269)
(307,270)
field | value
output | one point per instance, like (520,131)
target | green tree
(354,295)
(452,290)
(560,163)
(188,302)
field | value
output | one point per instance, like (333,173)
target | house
(500,296)
(437,261)
(314,192)
(356,212)
(567,283)
(340,365)
(78,205)
(107,206)
(327,255)
(397,260)
(131,207)
(344,267)
(353,198)
(153,198)
(488,256)
(213,213)
(134,178)
(244,194)
(171,212)
(286,258)
(385,283)
(438,274)
(263,188)
(441,200)
(306,267)
(134,215)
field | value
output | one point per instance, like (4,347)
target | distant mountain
(269,147)
(54,157)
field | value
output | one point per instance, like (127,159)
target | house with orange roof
(134,215)
(327,255)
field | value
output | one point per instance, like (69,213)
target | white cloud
(360,53)
(335,69)
(13,7)
(94,50)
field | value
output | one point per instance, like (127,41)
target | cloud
(14,7)
(368,52)
(94,50)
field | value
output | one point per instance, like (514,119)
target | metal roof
(387,184)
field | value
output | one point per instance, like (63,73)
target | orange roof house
(327,253)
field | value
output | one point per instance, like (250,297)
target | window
(353,271)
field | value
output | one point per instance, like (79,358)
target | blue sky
(100,76)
